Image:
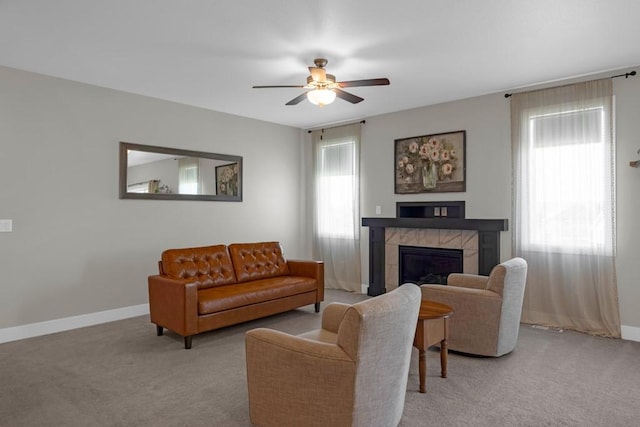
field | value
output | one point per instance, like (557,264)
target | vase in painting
(429,175)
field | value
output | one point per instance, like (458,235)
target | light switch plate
(6,226)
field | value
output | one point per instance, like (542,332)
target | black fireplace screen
(422,265)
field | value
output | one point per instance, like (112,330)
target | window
(564,205)
(336,205)
(188,175)
(336,189)
(568,192)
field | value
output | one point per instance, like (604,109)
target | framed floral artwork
(430,163)
(227,179)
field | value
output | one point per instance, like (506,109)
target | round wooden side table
(432,328)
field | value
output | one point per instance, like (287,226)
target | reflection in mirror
(148,172)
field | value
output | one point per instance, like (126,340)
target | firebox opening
(422,265)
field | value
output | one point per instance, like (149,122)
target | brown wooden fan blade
(348,96)
(318,74)
(267,87)
(368,82)
(297,99)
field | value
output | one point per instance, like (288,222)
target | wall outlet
(6,226)
(378,210)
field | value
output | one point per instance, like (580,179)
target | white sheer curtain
(336,205)
(188,176)
(563,152)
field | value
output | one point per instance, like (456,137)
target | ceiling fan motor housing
(330,79)
(323,88)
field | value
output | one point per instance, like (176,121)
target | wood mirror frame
(222,173)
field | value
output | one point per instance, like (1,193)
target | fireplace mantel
(438,223)
(488,241)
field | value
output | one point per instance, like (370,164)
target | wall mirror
(148,172)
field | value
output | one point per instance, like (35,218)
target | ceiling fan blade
(267,87)
(297,99)
(318,74)
(348,96)
(368,82)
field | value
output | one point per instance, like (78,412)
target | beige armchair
(352,372)
(486,310)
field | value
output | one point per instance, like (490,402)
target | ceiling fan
(323,87)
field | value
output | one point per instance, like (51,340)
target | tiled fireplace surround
(467,240)
(477,238)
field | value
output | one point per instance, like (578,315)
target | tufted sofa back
(253,261)
(209,265)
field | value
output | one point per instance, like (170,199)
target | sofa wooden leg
(187,342)
(159,330)
(317,307)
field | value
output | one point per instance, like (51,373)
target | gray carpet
(122,374)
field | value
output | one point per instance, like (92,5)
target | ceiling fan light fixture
(322,87)
(321,97)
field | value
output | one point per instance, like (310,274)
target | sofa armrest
(468,280)
(173,304)
(292,378)
(314,269)
(306,268)
(332,316)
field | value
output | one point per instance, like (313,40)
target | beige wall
(76,248)
(488,192)
(486,120)
(627,93)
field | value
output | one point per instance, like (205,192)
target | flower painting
(430,163)
(227,180)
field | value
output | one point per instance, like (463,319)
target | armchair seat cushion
(321,335)
(220,298)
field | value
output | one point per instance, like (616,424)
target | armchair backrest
(378,335)
(514,276)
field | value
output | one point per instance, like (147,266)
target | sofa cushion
(253,261)
(209,265)
(223,298)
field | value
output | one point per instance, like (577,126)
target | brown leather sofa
(204,288)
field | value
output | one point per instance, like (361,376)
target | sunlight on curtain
(563,154)
(188,175)
(336,205)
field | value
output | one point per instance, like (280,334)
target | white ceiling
(210,53)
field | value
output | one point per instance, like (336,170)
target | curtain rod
(625,75)
(361,122)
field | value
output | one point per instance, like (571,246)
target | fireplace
(440,225)
(421,265)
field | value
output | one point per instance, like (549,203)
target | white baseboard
(59,325)
(630,333)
